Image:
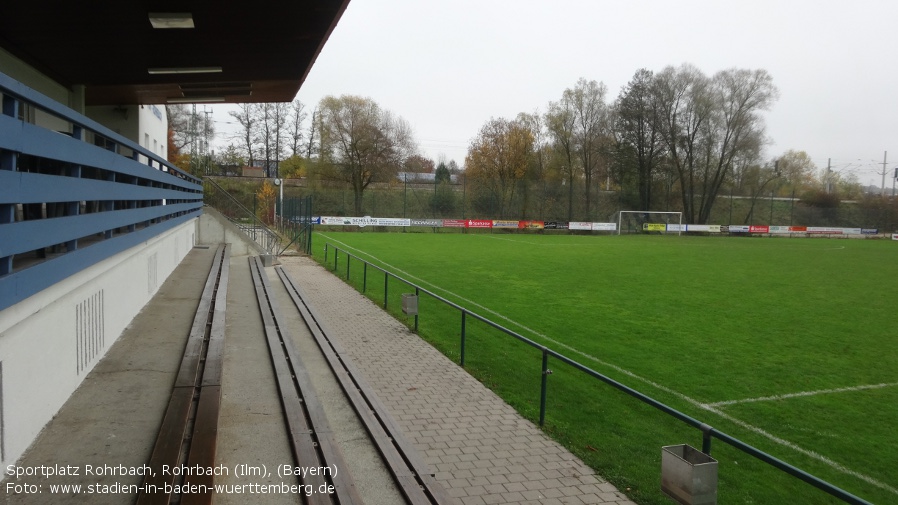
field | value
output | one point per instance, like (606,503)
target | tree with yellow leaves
(498,158)
(265,198)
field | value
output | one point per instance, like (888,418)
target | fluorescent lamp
(199,99)
(184,70)
(166,20)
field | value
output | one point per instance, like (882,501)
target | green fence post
(463,331)
(542,393)
(386,284)
(418,298)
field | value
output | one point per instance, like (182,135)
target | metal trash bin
(688,475)
(410,304)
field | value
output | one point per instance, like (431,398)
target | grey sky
(447,66)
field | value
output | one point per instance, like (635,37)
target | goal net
(644,221)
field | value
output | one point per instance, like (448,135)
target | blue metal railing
(707,431)
(71,198)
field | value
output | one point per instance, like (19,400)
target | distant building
(419,177)
(253,172)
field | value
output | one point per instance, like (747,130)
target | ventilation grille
(152,279)
(90,332)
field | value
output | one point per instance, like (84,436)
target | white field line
(803,393)
(811,454)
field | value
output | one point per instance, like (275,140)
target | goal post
(649,220)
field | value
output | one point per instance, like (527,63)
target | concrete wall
(50,341)
(213,228)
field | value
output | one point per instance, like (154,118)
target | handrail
(707,431)
(261,234)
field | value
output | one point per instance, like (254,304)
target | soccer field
(787,344)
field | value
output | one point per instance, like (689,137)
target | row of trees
(671,140)
(678,129)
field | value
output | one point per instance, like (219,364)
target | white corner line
(802,394)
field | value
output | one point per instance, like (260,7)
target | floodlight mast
(620,216)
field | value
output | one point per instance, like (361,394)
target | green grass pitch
(788,344)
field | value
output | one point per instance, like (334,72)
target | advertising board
(580,225)
(478,223)
(604,226)
(500,223)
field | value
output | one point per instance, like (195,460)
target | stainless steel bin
(688,475)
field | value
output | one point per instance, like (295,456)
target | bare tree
(708,124)
(247,116)
(638,134)
(591,128)
(561,122)
(362,143)
(297,116)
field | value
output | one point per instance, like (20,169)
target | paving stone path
(479,448)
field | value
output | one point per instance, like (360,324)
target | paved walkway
(481,449)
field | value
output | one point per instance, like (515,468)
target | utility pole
(828,182)
(205,144)
(884,171)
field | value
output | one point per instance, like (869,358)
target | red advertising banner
(478,223)
(759,229)
(454,223)
(531,225)
(798,229)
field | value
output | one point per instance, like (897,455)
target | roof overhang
(256,52)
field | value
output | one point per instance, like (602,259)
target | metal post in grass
(347,266)
(706,438)
(386,283)
(464,313)
(418,298)
(543,385)
(325,253)
(364,276)
(336,252)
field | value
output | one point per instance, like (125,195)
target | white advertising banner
(895,236)
(604,226)
(706,228)
(824,230)
(580,226)
(735,228)
(779,229)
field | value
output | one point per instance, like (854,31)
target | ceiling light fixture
(167,20)
(184,70)
(203,99)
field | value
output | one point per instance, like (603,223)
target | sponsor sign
(555,225)
(580,225)
(389,221)
(499,223)
(454,223)
(654,227)
(478,223)
(759,229)
(895,236)
(433,223)
(779,229)
(604,226)
(707,228)
(851,231)
(824,230)
(798,229)
(737,228)
(676,227)
(869,231)
(530,225)
(334,221)
(316,220)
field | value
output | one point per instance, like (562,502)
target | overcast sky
(448,66)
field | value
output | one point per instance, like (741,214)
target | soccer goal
(646,221)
